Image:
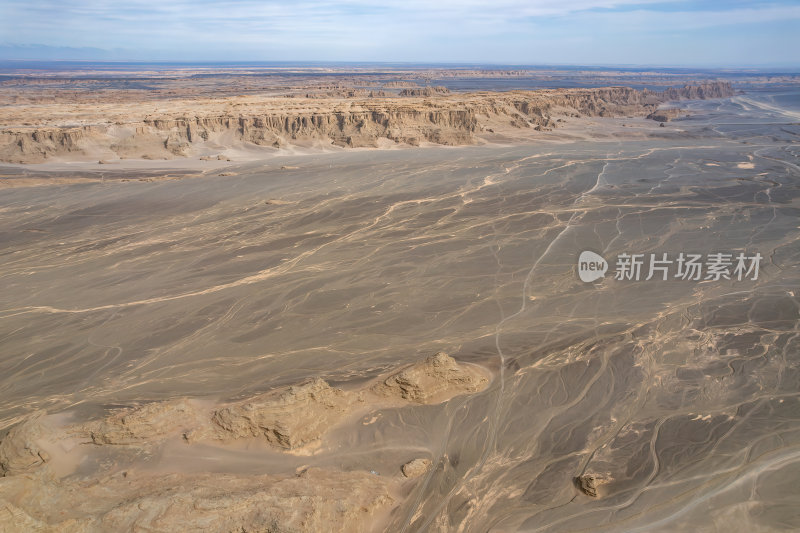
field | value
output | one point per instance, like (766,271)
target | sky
(721,33)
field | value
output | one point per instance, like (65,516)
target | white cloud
(508,30)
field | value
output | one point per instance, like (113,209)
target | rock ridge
(443,119)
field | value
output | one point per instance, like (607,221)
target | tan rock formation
(122,493)
(294,418)
(134,130)
(425,91)
(151,422)
(591,484)
(437,377)
(289,419)
(19,451)
(416,467)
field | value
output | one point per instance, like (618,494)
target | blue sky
(583,32)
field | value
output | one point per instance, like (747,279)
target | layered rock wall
(454,119)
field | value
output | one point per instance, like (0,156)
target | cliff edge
(177,128)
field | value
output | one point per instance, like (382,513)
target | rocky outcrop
(590,484)
(434,117)
(125,490)
(702,91)
(425,91)
(19,451)
(665,115)
(416,467)
(33,146)
(294,418)
(347,129)
(437,377)
(347,93)
(289,419)
(145,424)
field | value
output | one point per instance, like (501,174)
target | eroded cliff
(178,128)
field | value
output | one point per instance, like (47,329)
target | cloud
(466,30)
(694,20)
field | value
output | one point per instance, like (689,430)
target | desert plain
(348,300)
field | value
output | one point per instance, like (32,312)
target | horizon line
(445,64)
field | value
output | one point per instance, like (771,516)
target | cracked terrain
(404,332)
